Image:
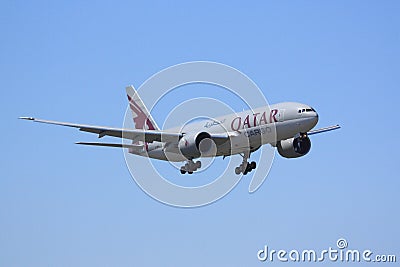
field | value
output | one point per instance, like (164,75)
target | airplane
(286,126)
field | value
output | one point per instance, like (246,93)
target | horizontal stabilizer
(110,145)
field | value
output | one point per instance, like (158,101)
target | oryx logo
(139,117)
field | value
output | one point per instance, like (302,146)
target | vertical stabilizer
(141,116)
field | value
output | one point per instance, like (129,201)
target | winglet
(27,118)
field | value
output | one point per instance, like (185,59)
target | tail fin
(141,116)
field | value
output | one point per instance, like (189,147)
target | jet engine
(194,145)
(294,147)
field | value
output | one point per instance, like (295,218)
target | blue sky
(66,205)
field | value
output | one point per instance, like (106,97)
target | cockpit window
(306,110)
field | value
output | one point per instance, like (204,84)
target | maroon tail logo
(141,117)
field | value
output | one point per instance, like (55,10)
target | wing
(133,134)
(325,129)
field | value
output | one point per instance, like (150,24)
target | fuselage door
(281,115)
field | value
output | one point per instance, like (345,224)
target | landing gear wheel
(190,167)
(198,164)
(237,170)
(253,165)
(245,167)
(248,167)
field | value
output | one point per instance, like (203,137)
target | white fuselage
(251,129)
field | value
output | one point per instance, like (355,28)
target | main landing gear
(245,167)
(190,167)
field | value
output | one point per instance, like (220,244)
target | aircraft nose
(316,118)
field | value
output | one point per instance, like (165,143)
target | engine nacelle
(294,147)
(193,146)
